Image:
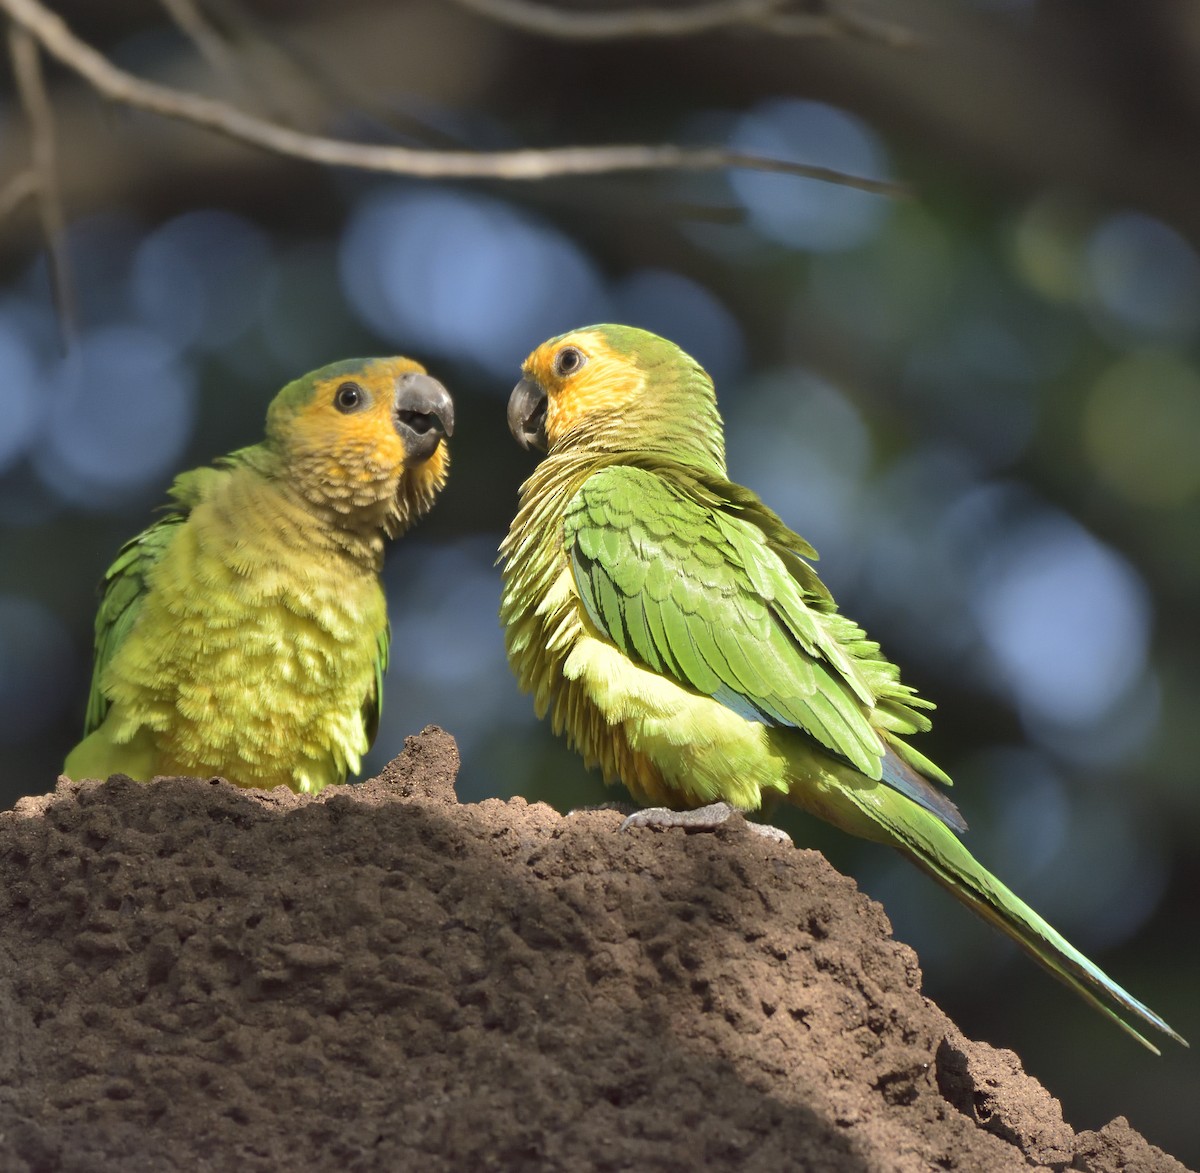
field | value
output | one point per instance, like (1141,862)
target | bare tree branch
(842,20)
(18,189)
(639,22)
(31,86)
(114,83)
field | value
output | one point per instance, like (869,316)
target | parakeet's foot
(703,818)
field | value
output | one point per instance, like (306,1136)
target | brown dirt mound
(196,976)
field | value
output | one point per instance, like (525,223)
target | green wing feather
(693,577)
(125,586)
(125,582)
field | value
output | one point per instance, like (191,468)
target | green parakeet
(245,633)
(673,628)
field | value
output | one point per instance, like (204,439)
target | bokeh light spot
(465,276)
(1066,619)
(1141,426)
(1048,242)
(21,396)
(802,445)
(974,385)
(1030,810)
(910,553)
(122,412)
(1145,276)
(805,213)
(196,280)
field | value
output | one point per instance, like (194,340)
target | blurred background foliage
(981,404)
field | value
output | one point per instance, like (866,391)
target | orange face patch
(353,441)
(605,382)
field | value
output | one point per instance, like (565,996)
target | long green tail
(898,821)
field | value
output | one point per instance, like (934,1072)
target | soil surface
(194,976)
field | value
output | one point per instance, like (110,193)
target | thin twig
(58,40)
(335,87)
(18,189)
(208,42)
(31,86)
(848,22)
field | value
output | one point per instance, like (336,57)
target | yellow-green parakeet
(245,633)
(673,628)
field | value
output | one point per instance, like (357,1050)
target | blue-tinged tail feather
(899,775)
(890,817)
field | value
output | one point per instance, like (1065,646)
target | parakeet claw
(703,818)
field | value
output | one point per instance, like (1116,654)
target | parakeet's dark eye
(349,397)
(568,360)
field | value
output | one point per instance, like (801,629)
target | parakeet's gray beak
(423,413)
(527,415)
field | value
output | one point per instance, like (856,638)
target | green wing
(125,581)
(124,588)
(694,578)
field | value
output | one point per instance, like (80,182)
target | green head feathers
(613,388)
